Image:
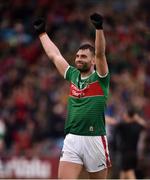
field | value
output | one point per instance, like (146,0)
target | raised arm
(100,45)
(110,120)
(50,48)
(141,121)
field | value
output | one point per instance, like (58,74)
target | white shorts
(90,151)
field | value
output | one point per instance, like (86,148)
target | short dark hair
(131,111)
(87,46)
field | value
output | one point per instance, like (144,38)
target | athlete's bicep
(101,65)
(61,64)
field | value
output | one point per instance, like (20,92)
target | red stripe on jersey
(108,163)
(93,89)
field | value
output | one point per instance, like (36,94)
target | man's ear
(93,61)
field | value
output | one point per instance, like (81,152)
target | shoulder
(104,80)
(71,72)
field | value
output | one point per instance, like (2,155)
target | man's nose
(79,60)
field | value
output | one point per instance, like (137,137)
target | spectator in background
(127,138)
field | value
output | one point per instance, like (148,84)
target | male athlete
(85,144)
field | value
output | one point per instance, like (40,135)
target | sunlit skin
(85,61)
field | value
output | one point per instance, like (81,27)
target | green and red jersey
(86,103)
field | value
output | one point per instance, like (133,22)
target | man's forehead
(83,51)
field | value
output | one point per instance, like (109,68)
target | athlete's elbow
(54,55)
(100,55)
(100,52)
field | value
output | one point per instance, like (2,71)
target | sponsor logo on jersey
(93,89)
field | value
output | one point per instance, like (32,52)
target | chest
(86,89)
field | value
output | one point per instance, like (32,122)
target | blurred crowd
(33,95)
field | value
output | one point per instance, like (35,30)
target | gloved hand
(97,20)
(39,26)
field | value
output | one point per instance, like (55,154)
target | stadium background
(33,95)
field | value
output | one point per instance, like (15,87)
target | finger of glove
(95,22)
(96,17)
(39,21)
(37,26)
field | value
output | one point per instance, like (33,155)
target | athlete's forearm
(53,53)
(50,48)
(100,44)
(100,58)
(97,21)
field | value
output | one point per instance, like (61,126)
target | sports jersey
(86,103)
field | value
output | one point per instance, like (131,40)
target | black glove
(97,20)
(39,26)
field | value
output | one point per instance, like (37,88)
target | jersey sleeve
(104,80)
(69,73)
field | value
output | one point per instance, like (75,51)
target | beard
(83,67)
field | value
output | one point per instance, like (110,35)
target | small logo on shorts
(101,165)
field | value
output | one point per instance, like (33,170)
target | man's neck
(87,74)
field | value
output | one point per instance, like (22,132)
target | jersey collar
(85,77)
